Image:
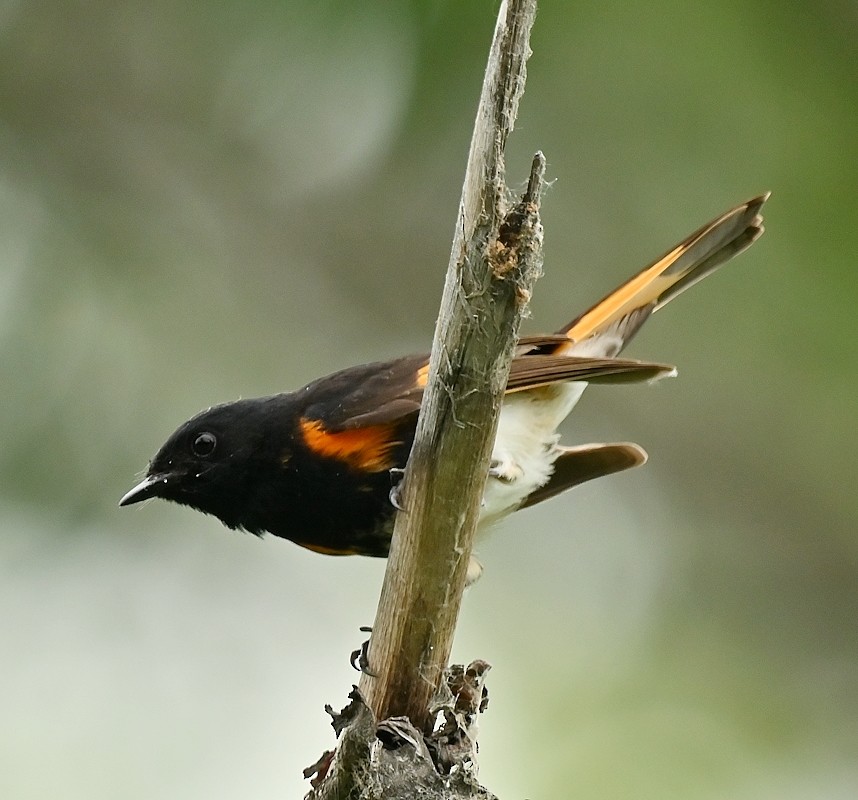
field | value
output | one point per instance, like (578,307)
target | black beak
(150,486)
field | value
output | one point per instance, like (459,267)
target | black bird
(314,466)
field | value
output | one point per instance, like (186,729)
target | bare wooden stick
(495,259)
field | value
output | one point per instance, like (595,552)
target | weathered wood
(495,259)
(386,747)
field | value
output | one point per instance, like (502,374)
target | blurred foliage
(200,202)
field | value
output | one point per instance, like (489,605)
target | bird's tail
(609,325)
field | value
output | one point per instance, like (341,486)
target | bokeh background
(205,201)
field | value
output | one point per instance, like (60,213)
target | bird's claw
(396,475)
(359,659)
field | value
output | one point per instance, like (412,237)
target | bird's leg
(505,469)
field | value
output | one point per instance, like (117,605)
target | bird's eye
(204,445)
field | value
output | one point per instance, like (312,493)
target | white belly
(525,446)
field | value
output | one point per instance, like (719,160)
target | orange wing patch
(423,375)
(366,449)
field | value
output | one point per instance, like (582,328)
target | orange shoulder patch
(367,449)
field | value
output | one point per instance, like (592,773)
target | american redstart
(314,466)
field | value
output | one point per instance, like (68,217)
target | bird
(317,466)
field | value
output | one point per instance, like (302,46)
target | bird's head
(213,460)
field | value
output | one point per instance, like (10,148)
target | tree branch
(386,745)
(494,262)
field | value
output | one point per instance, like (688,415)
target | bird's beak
(150,486)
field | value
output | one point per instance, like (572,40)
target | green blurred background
(206,201)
